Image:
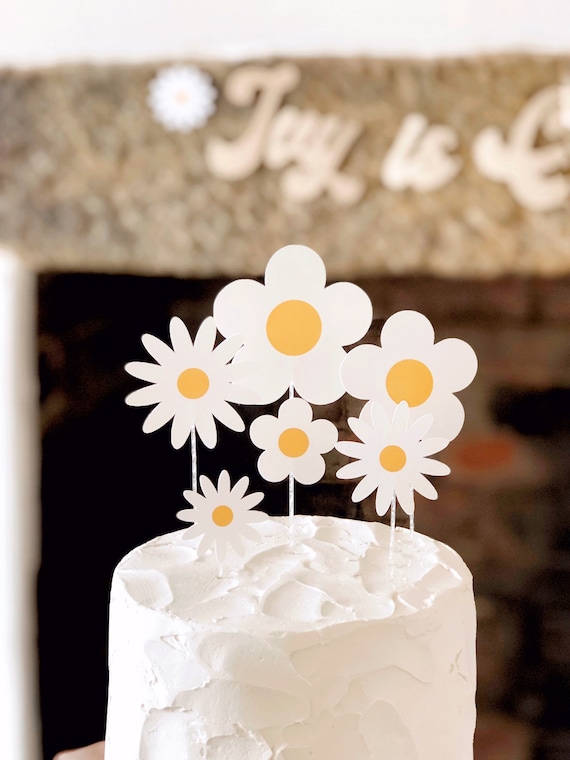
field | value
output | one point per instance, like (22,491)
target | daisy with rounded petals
(223,515)
(191,383)
(293,443)
(392,457)
(182,98)
(294,327)
(410,367)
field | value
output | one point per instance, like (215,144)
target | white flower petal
(363,370)
(421,426)
(228,416)
(353,470)
(150,373)
(433,467)
(186,515)
(264,430)
(348,311)
(240,488)
(181,426)
(317,375)
(180,337)
(324,435)
(206,336)
(295,412)
(252,500)
(256,517)
(159,416)
(308,469)
(233,312)
(150,394)
(400,419)
(405,496)
(431,446)
(293,268)
(380,420)
(407,332)
(159,351)
(455,363)
(271,468)
(383,501)
(208,489)
(228,348)
(361,430)
(423,486)
(365,487)
(206,427)
(352,449)
(224,484)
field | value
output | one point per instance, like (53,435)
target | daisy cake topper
(409,385)
(287,337)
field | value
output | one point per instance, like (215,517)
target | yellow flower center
(411,381)
(293,442)
(393,458)
(193,383)
(222,516)
(294,327)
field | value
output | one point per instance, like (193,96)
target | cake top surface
(332,571)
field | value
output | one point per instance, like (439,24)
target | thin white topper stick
(291,479)
(412,523)
(194,459)
(392,524)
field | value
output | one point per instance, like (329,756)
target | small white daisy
(182,98)
(191,384)
(293,326)
(293,443)
(222,515)
(410,367)
(392,457)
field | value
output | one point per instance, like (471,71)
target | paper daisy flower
(182,98)
(293,443)
(294,327)
(392,457)
(191,383)
(410,367)
(222,515)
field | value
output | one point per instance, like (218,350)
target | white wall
(44,32)
(19,512)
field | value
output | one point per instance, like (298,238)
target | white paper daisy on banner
(293,443)
(191,383)
(294,327)
(182,98)
(222,515)
(392,457)
(410,367)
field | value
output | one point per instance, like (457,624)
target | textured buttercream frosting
(328,642)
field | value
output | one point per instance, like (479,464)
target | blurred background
(123,222)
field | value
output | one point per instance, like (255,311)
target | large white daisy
(294,327)
(293,443)
(410,367)
(182,98)
(222,515)
(392,457)
(191,384)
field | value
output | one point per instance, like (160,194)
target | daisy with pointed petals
(293,443)
(191,383)
(392,458)
(293,326)
(222,515)
(182,98)
(410,367)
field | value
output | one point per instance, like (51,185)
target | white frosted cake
(335,645)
